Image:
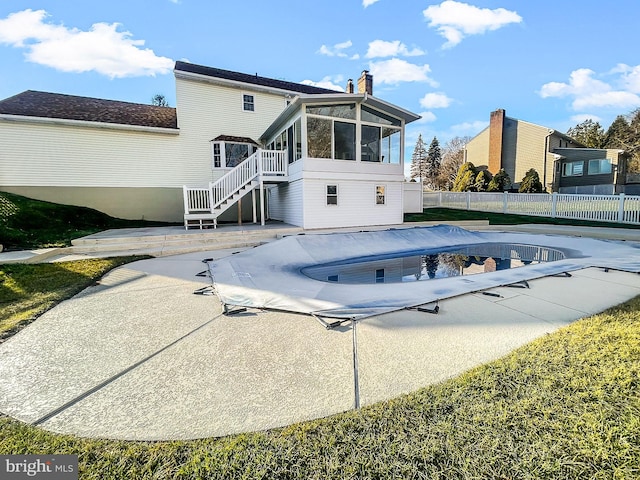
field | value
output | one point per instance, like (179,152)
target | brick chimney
(350,86)
(365,83)
(496,127)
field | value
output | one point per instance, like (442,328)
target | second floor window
(248,104)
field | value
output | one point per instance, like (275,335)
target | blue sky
(549,62)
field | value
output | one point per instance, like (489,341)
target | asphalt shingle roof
(250,79)
(70,107)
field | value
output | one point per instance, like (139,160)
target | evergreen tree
(500,182)
(419,160)
(531,183)
(588,133)
(466,178)
(434,160)
(482,181)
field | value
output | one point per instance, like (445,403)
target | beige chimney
(365,83)
(350,86)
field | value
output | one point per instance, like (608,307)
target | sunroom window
(332,132)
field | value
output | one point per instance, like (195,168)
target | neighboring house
(564,165)
(321,158)
(592,171)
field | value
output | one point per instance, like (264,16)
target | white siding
(286,203)
(62,155)
(356,203)
(206,111)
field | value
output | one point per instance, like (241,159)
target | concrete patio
(139,356)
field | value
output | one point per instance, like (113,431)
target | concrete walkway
(139,356)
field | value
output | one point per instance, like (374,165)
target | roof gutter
(84,123)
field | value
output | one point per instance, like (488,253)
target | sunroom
(341,127)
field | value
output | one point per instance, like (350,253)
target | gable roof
(70,107)
(256,80)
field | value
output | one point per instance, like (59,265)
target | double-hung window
(332,195)
(248,103)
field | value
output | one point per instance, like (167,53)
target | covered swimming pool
(357,275)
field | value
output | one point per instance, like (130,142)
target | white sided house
(300,154)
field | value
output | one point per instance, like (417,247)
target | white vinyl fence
(600,208)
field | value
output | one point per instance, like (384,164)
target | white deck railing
(600,208)
(262,164)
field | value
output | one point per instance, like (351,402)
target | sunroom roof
(362,98)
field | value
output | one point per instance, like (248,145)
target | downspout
(544,162)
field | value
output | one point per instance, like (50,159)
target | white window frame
(223,154)
(600,161)
(245,102)
(383,195)
(331,195)
(572,166)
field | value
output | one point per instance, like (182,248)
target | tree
(500,182)
(482,181)
(588,133)
(159,100)
(466,177)
(452,160)
(419,160)
(433,162)
(531,182)
(624,133)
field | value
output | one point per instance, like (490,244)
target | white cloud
(366,3)
(336,51)
(468,128)
(435,100)
(456,20)
(102,49)
(630,76)
(326,82)
(588,92)
(585,116)
(395,71)
(381,48)
(427,117)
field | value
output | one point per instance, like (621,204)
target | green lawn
(26,223)
(566,406)
(450,214)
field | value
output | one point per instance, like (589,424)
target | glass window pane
(247,102)
(216,155)
(332,195)
(235,153)
(390,145)
(319,138)
(374,116)
(370,144)
(341,111)
(298,139)
(577,168)
(345,140)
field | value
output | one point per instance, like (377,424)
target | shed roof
(70,107)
